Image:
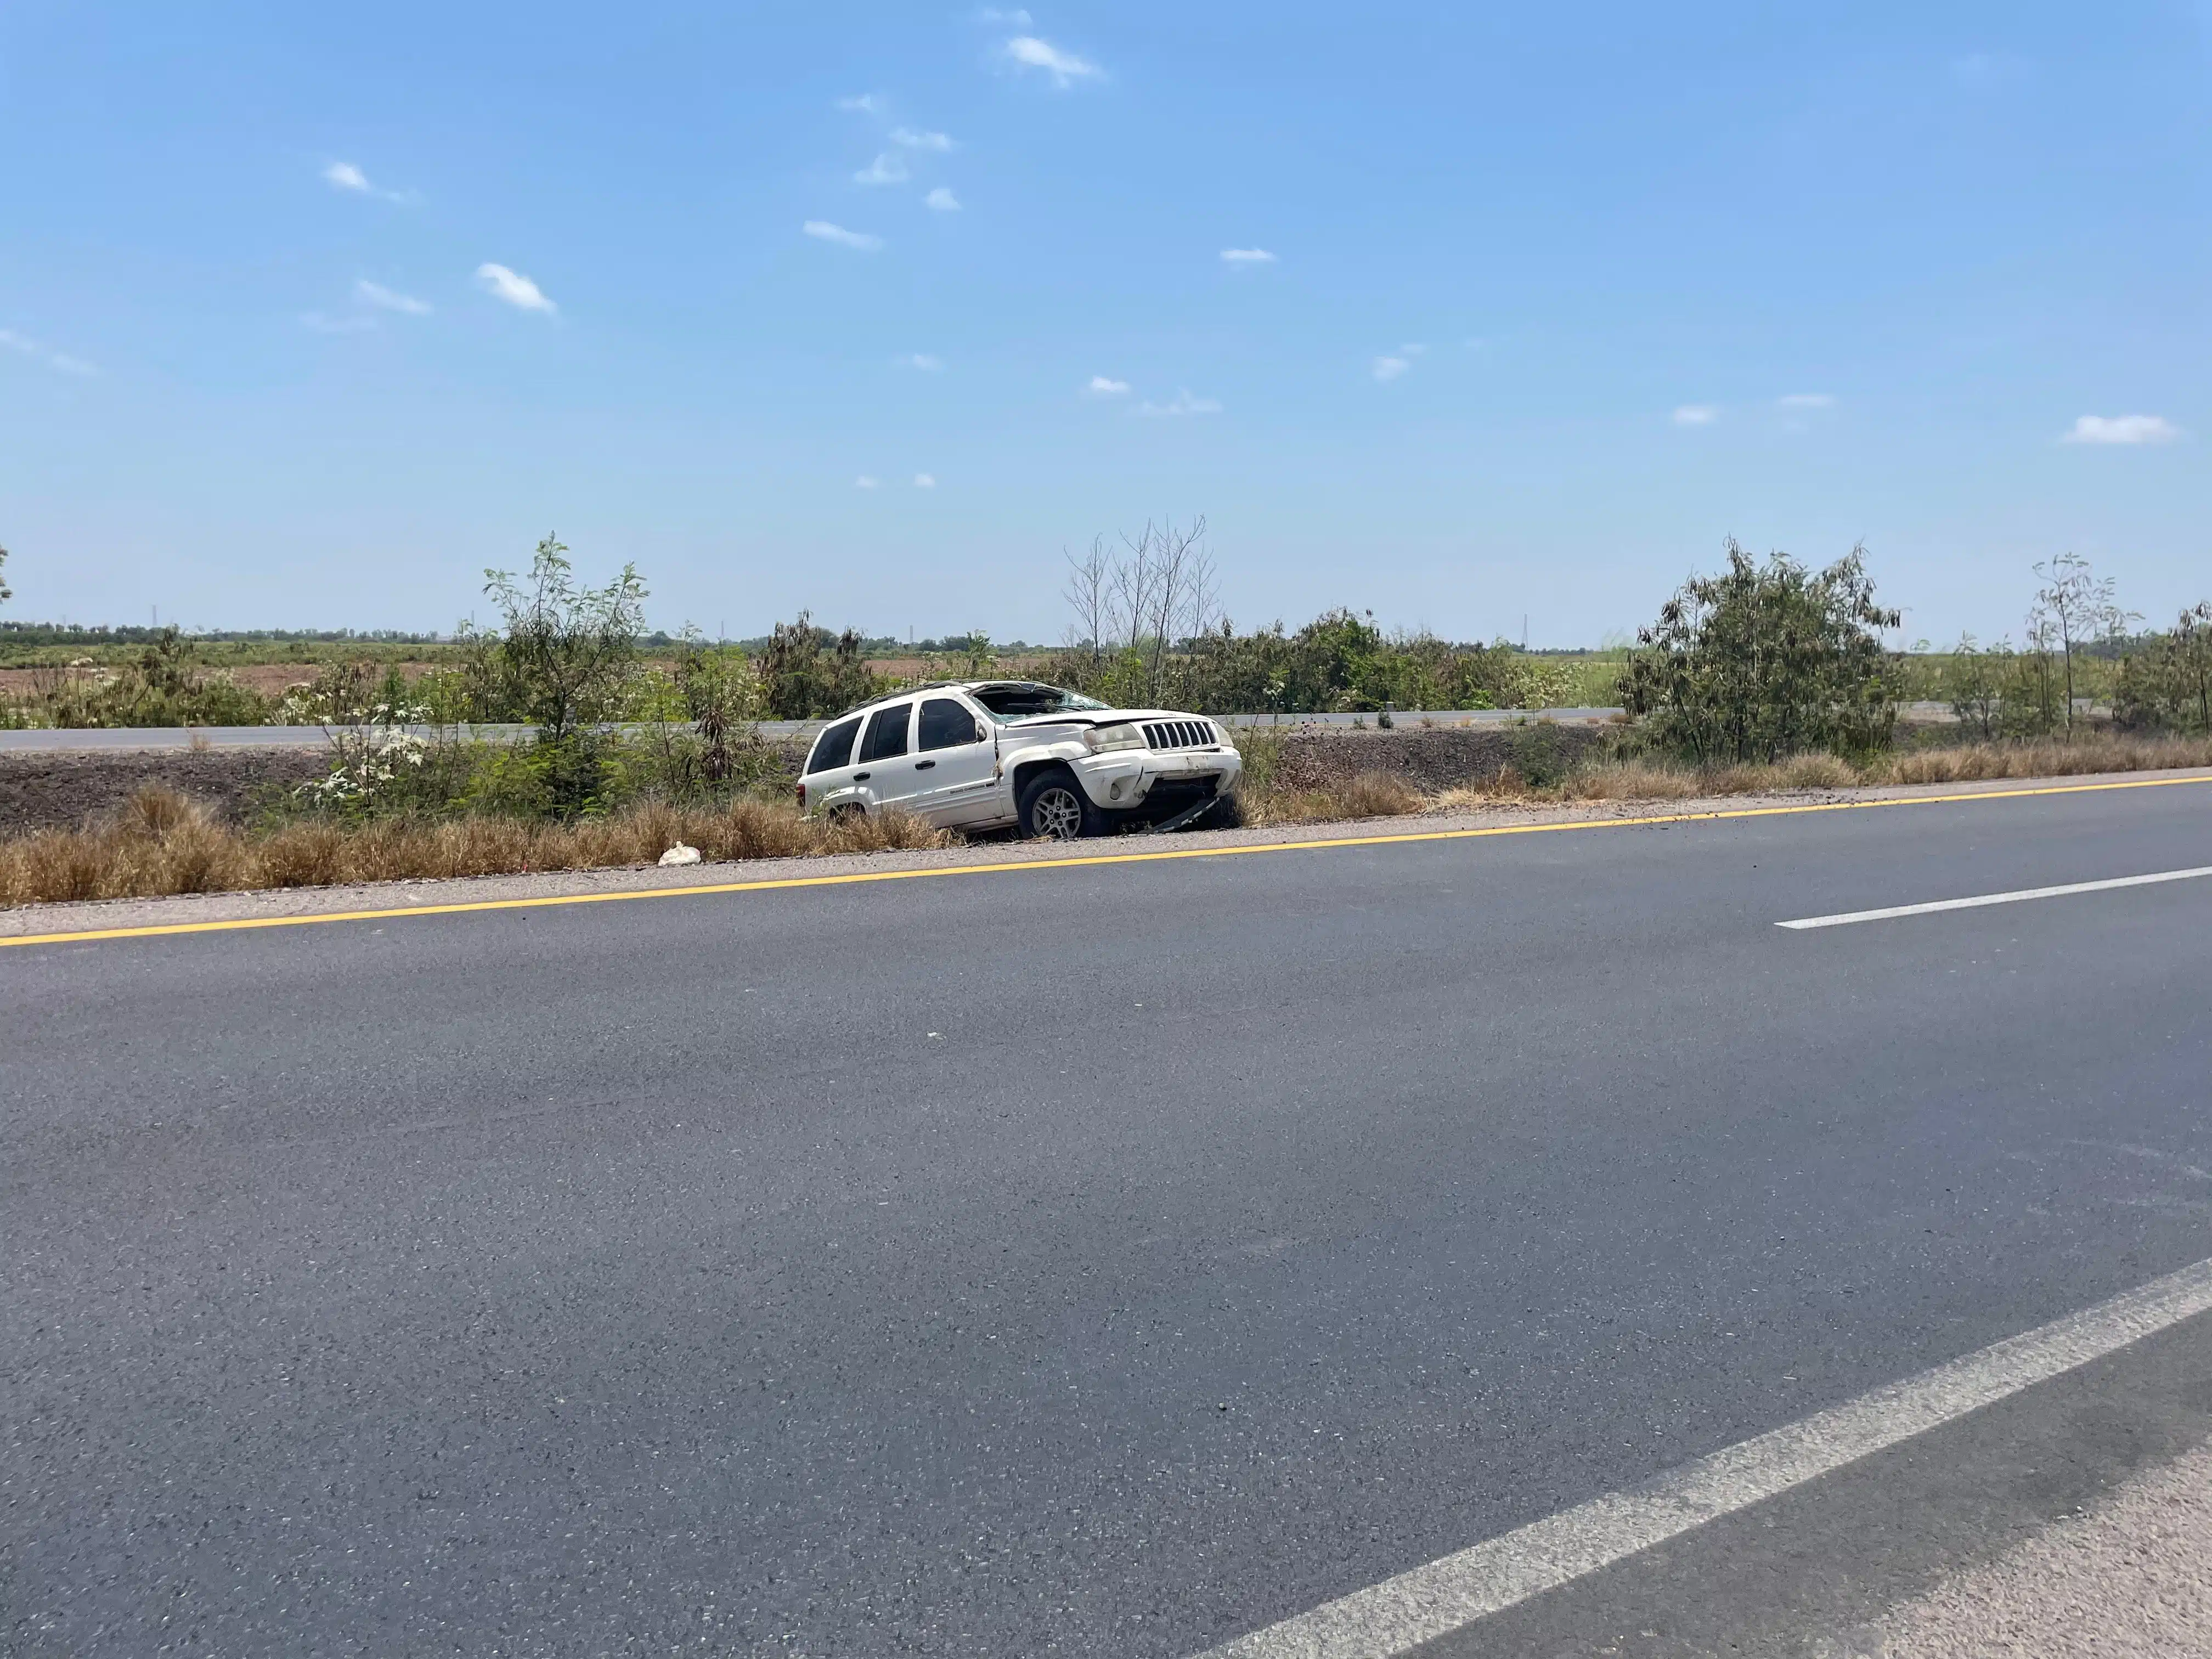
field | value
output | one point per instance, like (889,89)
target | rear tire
(1054,808)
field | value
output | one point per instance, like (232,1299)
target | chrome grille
(1178,734)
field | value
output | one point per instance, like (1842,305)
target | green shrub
(807,672)
(1764,661)
(568,658)
(162,684)
(2167,686)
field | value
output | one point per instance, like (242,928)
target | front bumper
(1127,781)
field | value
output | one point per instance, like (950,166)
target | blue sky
(308,315)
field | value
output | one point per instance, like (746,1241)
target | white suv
(984,754)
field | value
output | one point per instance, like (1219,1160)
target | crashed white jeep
(986,754)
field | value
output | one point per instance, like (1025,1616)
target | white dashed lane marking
(1976,903)
(1400,1613)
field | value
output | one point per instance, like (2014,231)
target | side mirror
(983,732)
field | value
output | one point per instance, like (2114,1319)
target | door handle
(860,777)
(923,766)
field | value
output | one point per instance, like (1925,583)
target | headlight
(1099,739)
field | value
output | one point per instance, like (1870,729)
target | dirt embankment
(1435,759)
(68,791)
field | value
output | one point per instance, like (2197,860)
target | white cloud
(923,360)
(913,140)
(514,288)
(924,481)
(864,482)
(1183,403)
(885,169)
(943,200)
(823,230)
(1389,369)
(1015,18)
(1695,415)
(1247,256)
(2123,429)
(385,299)
(866,103)
(1027,52)
(1101,386)
(1806,400)
(61,361)
(345,175)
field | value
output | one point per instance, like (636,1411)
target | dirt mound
(68,791)
(1435,759)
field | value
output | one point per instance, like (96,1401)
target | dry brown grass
(2049,759)
(1656,781)
(164,843)
(1960,765)
(1369,795)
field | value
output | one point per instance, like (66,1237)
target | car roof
(937,685)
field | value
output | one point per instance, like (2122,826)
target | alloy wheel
(1057,814)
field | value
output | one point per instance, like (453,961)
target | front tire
(1054,808)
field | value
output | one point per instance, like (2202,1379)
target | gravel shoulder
(2131,1577)
(402,895)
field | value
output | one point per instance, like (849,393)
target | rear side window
(944,724)
(833,749)
(886,733)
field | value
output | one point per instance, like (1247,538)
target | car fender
(848,794)
(1019,765)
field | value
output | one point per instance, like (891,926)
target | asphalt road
(1100,1261)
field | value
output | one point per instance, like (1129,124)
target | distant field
(305,655)
(272,667)
(271,679)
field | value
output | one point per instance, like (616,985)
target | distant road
(1118,1254)
(296,737)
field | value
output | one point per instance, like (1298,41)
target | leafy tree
(2074,607)
(1763,661)
(1975,683)
(2169,684)
(567,662)
(2032,693)
(567,656)
(6,592)
(806,672)
(717,691)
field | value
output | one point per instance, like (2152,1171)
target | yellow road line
(240,924)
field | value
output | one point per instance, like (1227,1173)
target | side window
(833,749)
(886,733)
(944,724)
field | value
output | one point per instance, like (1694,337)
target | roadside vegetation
(164,843)
(1765,677)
